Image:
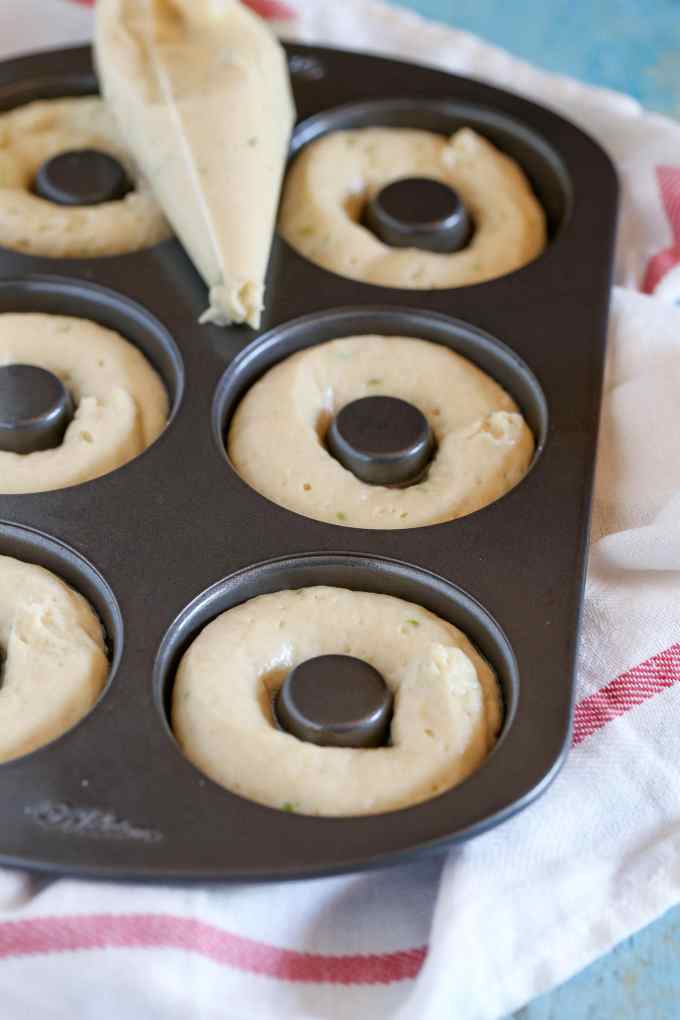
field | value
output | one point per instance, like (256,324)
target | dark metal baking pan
(163,544)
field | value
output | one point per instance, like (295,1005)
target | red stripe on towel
(628,690)
(159,931)
(668,178)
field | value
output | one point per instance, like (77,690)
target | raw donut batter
(334,177)
(121,403)
(275,441)
(32,134)
(447,712)
(53,662)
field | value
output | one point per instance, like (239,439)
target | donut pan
(164,544)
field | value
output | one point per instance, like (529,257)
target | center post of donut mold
(82,177)
(419,212)
(382,440)
(35,409)
(335,701)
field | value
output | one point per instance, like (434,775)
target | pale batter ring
(447,711)
(32,134)
(53,663)
(276,437)
(334,177)
(121,405)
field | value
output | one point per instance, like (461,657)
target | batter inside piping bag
(200,91)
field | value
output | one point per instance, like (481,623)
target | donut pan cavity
(171,539)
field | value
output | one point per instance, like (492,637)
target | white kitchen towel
(476,934)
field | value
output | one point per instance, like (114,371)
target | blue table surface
(632,46)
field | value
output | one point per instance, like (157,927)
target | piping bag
(201,95)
